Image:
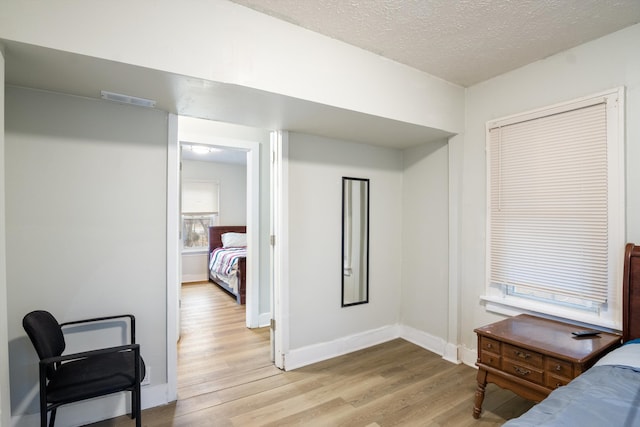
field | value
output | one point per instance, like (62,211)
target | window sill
(195,251)
(510,306)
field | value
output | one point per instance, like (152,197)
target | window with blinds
(199,207)
(555,203)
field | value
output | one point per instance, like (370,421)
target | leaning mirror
(355,241)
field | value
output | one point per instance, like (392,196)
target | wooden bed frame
(215,241)
(631,293)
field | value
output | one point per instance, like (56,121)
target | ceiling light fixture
(200,149)
(127,99)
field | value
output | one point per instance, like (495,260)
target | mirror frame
(346,181)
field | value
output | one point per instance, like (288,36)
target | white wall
(316,168)
(5,408)
(86,228)
(606,63)
(221,41)
(233,187)
(195,267)
(425,245)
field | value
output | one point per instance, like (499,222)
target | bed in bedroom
(608,394)
(227,259)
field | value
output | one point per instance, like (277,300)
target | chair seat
(92,377)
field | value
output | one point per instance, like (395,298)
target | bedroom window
(556,209)
(199,212)
(195,230)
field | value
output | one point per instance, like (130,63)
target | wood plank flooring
(225,378)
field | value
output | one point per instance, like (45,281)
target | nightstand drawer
(522,355)
(490,359)
(532,356)
(553,381)
(488,344)
(523,371)
(558,367)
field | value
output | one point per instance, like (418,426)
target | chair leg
(137,407)
(43,396)
(52,420)
(133,404)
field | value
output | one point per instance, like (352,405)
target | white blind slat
(199,197)
(549,204)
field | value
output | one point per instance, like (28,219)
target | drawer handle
(558,385)
(558,368)
(489,345)
(521,371)
(521,354)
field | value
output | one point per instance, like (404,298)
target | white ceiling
(462,41)
(215,154)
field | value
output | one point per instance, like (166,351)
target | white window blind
(549,206)
(199,197)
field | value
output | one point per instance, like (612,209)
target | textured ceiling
(463,41)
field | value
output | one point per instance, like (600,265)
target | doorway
(209,133)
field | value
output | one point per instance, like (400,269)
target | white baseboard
(304,356)
(451,353)
(469,356)
(154,395)
(94,410)
(427,341)
(192,278)
(316,353)
(264,319)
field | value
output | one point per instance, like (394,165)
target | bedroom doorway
(214,134)
(213,194)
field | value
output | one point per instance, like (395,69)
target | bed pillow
(234,240)
(627,355)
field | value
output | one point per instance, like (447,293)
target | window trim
(496,298)
(214,220)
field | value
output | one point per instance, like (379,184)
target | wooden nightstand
(532,356)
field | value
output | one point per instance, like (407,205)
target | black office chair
(80,376)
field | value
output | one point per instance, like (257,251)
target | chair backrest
(45,333)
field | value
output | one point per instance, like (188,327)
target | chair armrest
(132,323)
(90,353)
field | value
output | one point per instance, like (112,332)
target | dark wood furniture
(631,293)
(215,241)
(532,356)
(554,356)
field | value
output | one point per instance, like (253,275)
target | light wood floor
(225,378)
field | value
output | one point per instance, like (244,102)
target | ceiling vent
(127,99)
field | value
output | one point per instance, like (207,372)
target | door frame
(173,242)
(279,275)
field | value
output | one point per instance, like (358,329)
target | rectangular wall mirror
(355,241)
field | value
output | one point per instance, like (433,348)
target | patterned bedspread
(224,260)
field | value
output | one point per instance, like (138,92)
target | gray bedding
(602,396)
